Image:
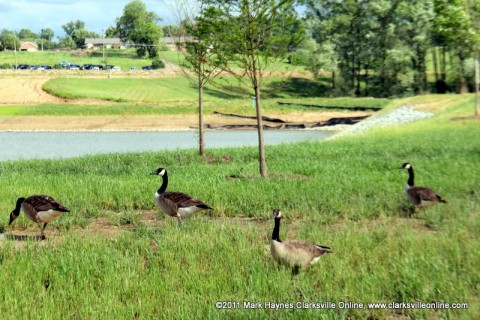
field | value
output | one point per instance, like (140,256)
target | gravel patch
(398,116)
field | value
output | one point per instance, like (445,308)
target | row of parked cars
(72,66)
(32,67)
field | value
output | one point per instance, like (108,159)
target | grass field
(175,95)
(123,58)
(346,193)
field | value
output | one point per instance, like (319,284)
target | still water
(48,145)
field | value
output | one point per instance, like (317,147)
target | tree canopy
(254,35)
(140,27)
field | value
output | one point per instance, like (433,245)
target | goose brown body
(294,253)
(39,209)
(419,196)
(176,204)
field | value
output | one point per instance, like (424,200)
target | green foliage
(71,26)
(76,33)
(79,36)
(6,66)
(158,63)
(66,42)
(47,34)
(139,26)
(9,41)
(381,46)
(255,34)
(27,34)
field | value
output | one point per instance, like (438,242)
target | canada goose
(294,253)
(38,208)
(176,204)
(419,196)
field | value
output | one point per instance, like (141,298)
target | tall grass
(346,193)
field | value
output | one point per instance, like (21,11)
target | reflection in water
(36,145)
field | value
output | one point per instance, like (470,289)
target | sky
(98,15)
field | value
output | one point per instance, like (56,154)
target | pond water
(48,145)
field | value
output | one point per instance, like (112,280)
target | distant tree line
(392,47)
(136,26)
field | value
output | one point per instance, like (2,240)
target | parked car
(133,68)
(86,66)
(73,67)
(116,68)
(65,64)
(108,67)
(22,66)
(147,68)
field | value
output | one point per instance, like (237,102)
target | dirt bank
(145,123)
(25,90)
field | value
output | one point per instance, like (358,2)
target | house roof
(173,40)
(103,41)
(28,44)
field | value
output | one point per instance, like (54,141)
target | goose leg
(42,235)
(179,220)
(295,270)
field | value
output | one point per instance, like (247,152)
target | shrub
(158,64)
(5,66)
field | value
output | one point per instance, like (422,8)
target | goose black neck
(411,177)
(18,205)
(163,187)
(276,230)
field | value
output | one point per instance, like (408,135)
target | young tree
(257,35)
(139,26)
(203,58)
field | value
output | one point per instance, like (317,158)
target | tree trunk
(477,81)
(435,63)
(366,81)
(201,141)
(444,63)
(463,83)
(333,79)
(261,144)
(358,77)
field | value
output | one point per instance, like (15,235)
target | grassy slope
(176,96)
(174,92)
(346,193)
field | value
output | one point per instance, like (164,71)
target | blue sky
(97,14)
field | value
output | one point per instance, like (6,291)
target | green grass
(123,58)
(346,193)
(176,96)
